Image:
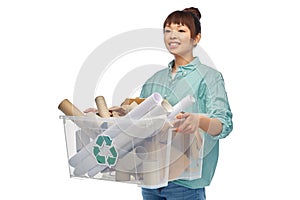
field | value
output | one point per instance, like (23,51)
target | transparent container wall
(145,152)
(186,155)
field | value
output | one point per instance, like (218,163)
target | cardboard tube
(195,146)
(69,109)
(151,175)
(131,161)
(178,163)
(151,149)
(102,107)
(122,176)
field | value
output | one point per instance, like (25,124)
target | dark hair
(195,11)
(189,17)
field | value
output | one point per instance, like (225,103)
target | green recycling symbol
(104,151)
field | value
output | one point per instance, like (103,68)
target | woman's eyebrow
(178,25)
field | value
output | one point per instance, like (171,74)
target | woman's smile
(173,45)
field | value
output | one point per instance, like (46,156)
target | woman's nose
(173,35)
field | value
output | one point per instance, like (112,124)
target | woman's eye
(181,31)
(167,31)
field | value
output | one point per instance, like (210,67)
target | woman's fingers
(90,110)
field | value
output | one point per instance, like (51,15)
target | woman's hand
(189,123)
(88,110)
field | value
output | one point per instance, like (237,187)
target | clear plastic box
(146,152)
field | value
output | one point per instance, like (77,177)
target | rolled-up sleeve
(217,104)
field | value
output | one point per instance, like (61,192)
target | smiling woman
(186,75)
(182,32)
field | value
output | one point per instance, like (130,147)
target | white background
(255,44)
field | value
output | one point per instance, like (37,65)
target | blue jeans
(173,192)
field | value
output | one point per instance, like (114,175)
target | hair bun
(193,10)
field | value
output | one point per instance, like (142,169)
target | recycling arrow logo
(104,151)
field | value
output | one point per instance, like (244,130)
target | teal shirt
(206,85)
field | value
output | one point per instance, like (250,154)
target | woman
(186,75)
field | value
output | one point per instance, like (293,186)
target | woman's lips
(173,45)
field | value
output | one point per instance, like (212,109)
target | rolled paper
(84,160)
(102,107)
(87,164)
(114,130)
(127,144)
(135,114)
(124,141)
(69,109)
(132,160)
(143,128)
(82,139)
(161,109)
(145,106)
(181,105)
(137,133)
(86,151)
(152,101)
(151,120)
(94,171)
(83,153)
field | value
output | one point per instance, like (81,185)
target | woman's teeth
(173,44)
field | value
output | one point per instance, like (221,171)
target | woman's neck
(181,61)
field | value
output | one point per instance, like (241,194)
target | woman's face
(178,41)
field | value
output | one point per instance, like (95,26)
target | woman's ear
(197,39)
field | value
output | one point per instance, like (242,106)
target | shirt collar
(189,67)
